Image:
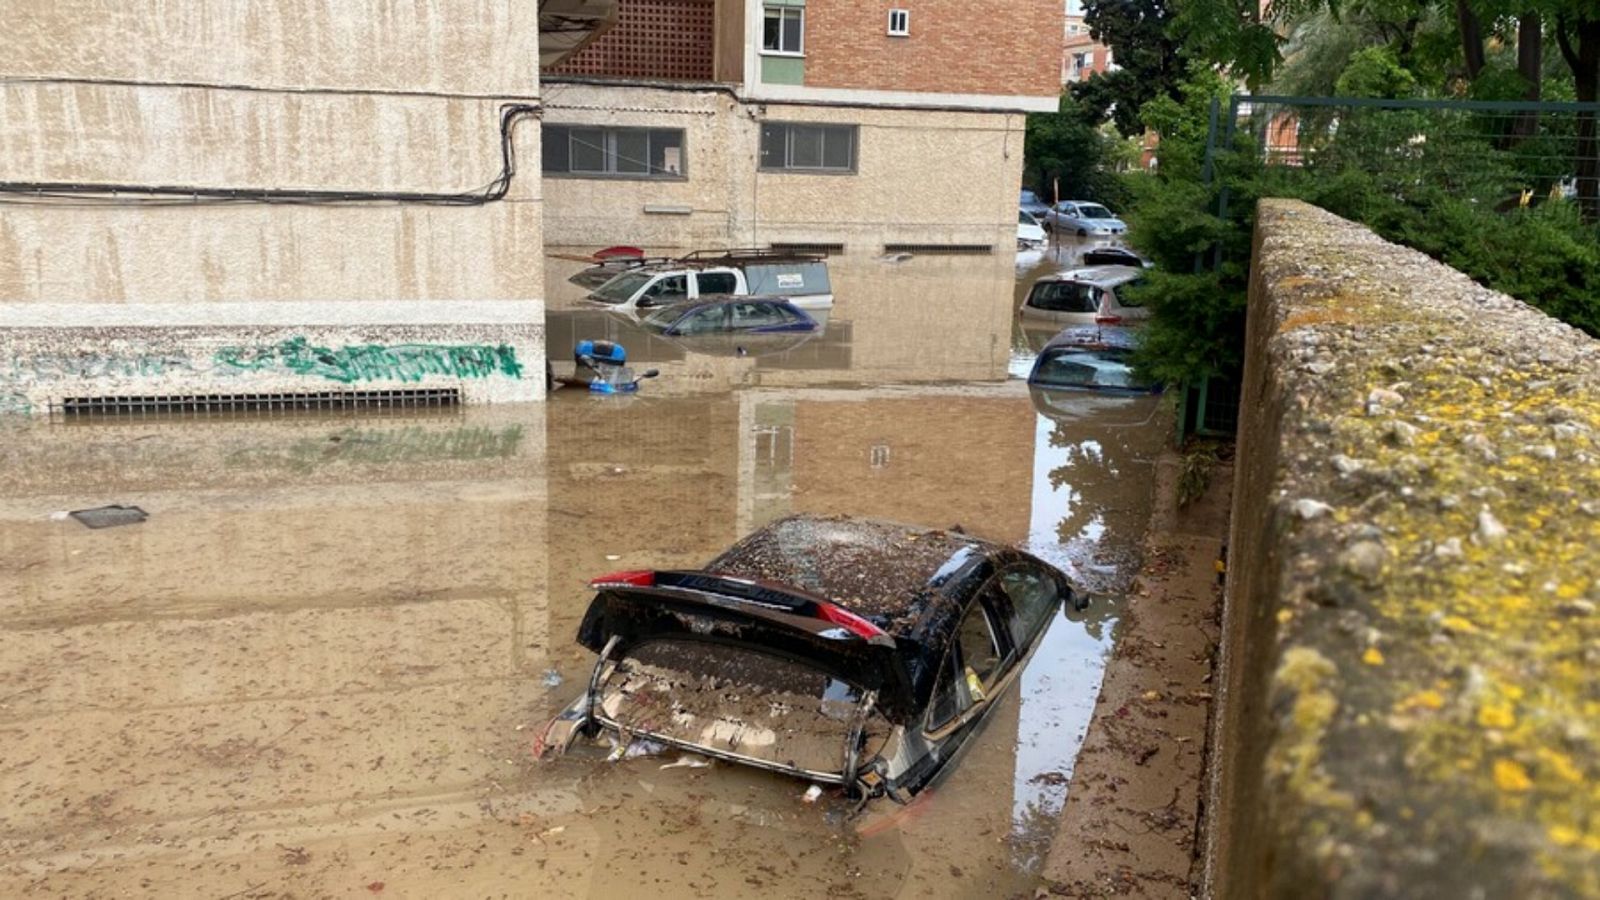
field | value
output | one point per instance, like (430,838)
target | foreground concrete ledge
(1408,701)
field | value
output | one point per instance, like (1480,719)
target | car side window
(1034,597)
(669,289)
(949,700)
(969,670)
(707,318)
(717,282)
(980,653)
(756,315)
(1128,293)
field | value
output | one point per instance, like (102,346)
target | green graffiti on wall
(374,362)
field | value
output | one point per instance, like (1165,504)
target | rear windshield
(1065,296)
(1086,367)
(621,288)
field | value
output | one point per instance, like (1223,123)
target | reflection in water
(319,664)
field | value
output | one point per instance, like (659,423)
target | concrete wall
(1406,705)
(923,176)
(354,97)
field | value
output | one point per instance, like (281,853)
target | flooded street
(317,669)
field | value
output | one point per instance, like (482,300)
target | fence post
(1222,195)
(1209,169)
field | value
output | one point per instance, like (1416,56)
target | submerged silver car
(843,651)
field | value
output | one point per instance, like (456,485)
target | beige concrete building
(805,122)
(293,199)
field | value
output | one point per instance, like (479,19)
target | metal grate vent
(232,403)
(941,249)
(807,247)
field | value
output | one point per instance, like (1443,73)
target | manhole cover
(110,516)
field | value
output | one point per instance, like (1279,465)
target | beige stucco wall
(923,176)
(480,47)
(598,212)
(364,96)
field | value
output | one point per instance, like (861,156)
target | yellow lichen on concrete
(1303,681)
(1471,432)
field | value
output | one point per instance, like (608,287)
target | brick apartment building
(835,122)
(1081,56)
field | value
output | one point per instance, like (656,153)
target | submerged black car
(843,651)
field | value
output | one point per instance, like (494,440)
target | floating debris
(110,516)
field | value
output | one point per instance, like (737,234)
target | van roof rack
(753,254)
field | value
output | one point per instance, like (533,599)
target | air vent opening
(941,249)
(211,404)
(807,247)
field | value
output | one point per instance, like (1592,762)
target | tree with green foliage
(1068,146)
(1148,66)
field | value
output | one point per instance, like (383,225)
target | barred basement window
(899,23)
(796,147)
(589,152)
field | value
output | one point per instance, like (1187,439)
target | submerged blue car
(1089,359)
(730,315)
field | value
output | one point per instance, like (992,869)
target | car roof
(1093,337)
(882,570)
(685,306)
(1101,276)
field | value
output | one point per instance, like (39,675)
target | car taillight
(636,578)
(848,620)
(1104,319)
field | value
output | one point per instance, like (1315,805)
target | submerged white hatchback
(1096,295)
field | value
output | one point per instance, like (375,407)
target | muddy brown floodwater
(317,669)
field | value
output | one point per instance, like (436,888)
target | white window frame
(783,13)
(905,23)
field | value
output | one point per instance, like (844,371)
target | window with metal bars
(800,147)
(595,152)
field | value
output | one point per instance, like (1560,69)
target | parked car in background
(1033,206)
(843,651)
(802,278)
(1084,219)
(1114,256)
(1089,296)
(725,314)
(1030,234)
(1089,359)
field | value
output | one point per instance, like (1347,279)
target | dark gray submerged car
(847,652)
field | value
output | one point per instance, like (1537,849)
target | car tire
(1083,232)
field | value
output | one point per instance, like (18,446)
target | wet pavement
(317,668)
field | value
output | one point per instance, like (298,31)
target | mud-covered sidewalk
(1130,823)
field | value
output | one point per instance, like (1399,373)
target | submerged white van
(802,279)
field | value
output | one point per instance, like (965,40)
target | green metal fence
(1406,158)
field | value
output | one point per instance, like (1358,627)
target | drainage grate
(807,247)
(229,403)
(110,516)
(941,249)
